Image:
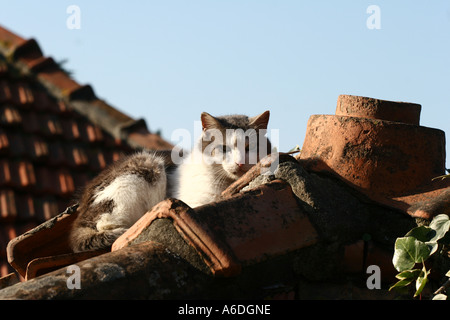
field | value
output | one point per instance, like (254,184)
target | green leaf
(421,281)
(401,284)
(409,274)
(445,240)
(440,224)
(408,252)
(425,234)
(445,176)
(440,296)
(422,233)
(406,277)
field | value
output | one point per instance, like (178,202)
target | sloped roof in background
(55,135)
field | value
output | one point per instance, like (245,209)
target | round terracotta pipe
(379,148)
(370,108)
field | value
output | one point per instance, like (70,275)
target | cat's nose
(240,165)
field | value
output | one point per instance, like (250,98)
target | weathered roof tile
(8,205)
(5,92)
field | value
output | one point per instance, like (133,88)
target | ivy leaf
(421,281)
(408,252)
(440,224)
(425,234)
(406,277)
(409,274)
(422,233)
(446,239)
(401,284)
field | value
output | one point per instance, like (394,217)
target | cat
(114,200)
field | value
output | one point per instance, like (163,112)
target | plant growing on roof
(445,176)
(415,248)
(61,65)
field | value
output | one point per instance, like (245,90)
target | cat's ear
(260,121)
(209,122)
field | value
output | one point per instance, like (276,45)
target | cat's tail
(85,238)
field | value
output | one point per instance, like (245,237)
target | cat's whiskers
(221,176)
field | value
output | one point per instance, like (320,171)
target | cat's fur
(122,193)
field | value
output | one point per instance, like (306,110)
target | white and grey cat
(113,201)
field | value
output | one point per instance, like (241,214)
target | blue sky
(167,61)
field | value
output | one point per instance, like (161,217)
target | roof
(55,135)
(275,236)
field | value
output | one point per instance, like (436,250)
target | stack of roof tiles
(55,135)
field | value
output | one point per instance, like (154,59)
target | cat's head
(234,143)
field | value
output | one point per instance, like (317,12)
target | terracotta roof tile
(71,130)
(27,178)
(66,184)
(4,141)
(3,67)
(5,92)
(55,135)
(47,207)
(8,205)
(27,51)
(26,207)
(38,147)
(96,159)
(5,173)
(9,115)
(31,122)
(21,94)
(7,233)
(77,155)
